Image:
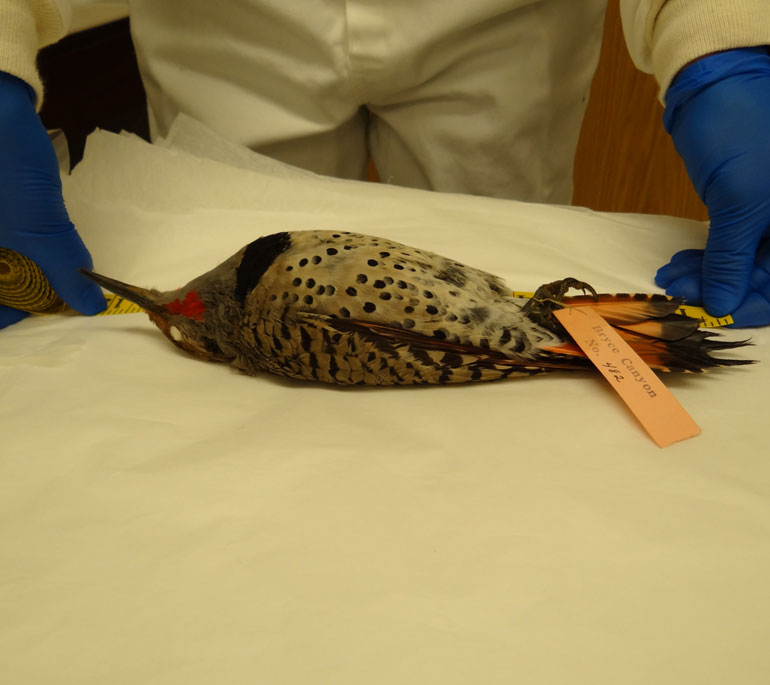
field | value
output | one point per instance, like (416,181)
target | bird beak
(144,298)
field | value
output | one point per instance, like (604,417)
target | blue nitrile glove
(33,219)
(718,115)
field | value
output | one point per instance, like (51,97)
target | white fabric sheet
(165,520)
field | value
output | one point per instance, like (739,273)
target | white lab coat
(479,97)
(482,97)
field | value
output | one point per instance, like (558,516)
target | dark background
(92,80)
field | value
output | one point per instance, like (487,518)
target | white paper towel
(165,521)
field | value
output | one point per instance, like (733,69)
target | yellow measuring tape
(23,286)
(118,305)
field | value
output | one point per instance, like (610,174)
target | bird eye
(174,333)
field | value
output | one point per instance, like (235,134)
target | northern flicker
(347,308)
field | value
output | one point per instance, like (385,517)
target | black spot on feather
(452,360)
(211,345)
(333,367)
(452,275)
(305,340)
(479,314)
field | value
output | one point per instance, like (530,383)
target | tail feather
(664,339)
(622,308)
(692,354)
(670,327)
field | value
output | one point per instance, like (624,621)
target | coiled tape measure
(23,286)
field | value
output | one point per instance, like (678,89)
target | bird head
(180,314)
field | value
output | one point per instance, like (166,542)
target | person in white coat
(484,98)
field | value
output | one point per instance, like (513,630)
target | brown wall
(625,159)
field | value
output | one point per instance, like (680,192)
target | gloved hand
(33,219)
(718,115)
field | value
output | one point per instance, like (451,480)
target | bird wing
(375,353)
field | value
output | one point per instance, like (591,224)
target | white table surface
(165,520)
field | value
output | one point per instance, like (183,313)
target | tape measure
(119,305)
(23,286)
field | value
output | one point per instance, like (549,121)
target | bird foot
(549,297)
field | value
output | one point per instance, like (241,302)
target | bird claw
(549,297)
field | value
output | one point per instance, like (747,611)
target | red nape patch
(191,306)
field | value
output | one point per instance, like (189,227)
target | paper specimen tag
(651,402)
